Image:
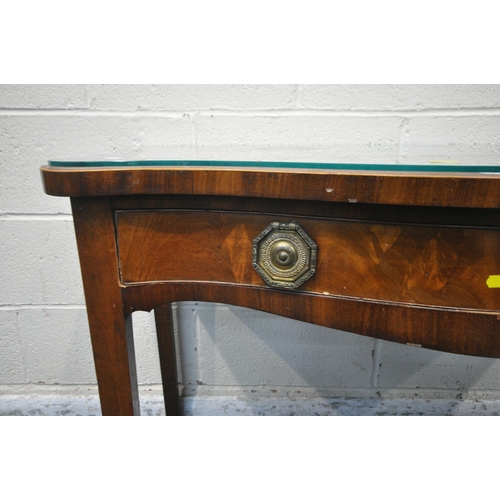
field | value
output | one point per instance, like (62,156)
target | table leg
(110,330)
(168,365)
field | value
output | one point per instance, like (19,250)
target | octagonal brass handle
(284,255)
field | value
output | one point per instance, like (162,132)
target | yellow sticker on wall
(493,281)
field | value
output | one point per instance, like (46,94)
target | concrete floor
(88,405)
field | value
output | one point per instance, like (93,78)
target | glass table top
(431,167)
(432,158)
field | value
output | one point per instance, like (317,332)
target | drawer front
(411,264)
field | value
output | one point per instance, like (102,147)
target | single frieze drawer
(411,264)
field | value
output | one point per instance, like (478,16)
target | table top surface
(456,177)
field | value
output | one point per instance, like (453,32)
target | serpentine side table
(409,254)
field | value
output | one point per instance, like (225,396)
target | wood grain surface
(110,329)
(448,330)
(419,189)
(412,264)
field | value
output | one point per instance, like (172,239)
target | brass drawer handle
(284,255)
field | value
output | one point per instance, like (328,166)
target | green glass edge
(272,164)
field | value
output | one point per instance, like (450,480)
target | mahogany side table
(409,254)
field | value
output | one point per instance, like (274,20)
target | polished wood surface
(452,330)
(412,264)
(111,331)
(421,189)
(168,364)
(401,257)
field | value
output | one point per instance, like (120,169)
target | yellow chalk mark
(493,281)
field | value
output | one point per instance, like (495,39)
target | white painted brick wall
(50,97)
(225,350)
(393,98)
(192,98)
